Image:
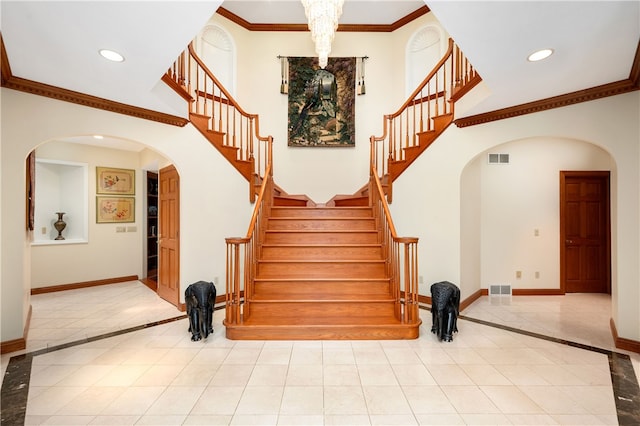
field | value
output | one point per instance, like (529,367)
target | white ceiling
(56,42)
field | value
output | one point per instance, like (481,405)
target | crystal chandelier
(323,18)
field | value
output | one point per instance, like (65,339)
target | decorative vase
(60,225)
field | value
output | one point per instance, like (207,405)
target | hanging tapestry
(322,102)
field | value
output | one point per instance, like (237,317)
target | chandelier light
(323,18)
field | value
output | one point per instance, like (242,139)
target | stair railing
(207,97)
(400,254)
(452,76)
(243,254)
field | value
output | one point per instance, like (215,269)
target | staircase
(321,274)
(337,271)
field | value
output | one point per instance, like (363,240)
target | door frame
(606,176)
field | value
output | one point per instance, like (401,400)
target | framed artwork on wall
(115,209)
(114,181)
(321,102)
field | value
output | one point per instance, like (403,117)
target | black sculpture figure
(445,306)
(200,298)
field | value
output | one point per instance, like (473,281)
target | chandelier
(323,18)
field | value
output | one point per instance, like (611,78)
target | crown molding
(634,75)
(605,90)
(342,27)
(611,89)
(9,81)
(5,69)
(41,89)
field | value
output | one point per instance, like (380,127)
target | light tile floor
(157,375)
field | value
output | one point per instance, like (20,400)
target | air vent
(500,294)
(498,158)
(500,290)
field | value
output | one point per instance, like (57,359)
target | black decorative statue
(445,306)
(200,298)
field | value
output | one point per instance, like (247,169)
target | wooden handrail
(400,254)
(423,113)
(211,102)
(242,256)
(208,98)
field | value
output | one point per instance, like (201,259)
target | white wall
(428,197)
(107,254)
(434,212)
(213,199)
(522,197)
(322,172)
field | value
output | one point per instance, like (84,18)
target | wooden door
(169,235)
(585,259)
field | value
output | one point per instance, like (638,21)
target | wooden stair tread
(311,322)
(378,331)
(321,275)
(307,244)
(317,280)
(290,260)
(267,297)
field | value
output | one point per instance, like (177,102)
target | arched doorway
(115,250)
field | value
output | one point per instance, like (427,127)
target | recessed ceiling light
(540,55)
(111,55)
(98,137)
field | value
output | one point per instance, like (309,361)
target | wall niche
(61,186)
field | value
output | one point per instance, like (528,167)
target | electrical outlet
(518,274)
(537,274)
(420,279)
(44,230)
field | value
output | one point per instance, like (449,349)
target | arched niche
(424,49)
(217,50)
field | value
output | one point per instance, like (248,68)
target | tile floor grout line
(15,386)
(626,390)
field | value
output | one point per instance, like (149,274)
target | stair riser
(321,253)
(328,332)
(309,288)
(352,202)
(320,270)
(321,237)
(290,202)
(321,224)
(320,212)
(318,310)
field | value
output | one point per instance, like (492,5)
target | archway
(51,266)
(510,212)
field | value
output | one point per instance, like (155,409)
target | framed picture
(321,102)
(115,209)
(115,181)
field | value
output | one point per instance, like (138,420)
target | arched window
(215,47)
(424,49)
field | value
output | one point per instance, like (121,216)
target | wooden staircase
(321,274)
(339,271)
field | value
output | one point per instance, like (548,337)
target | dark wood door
(169,235)
(585,260)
